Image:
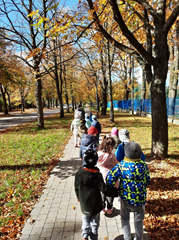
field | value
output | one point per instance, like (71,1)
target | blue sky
(70,3)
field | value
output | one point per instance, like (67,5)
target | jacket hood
(133,169)
(87,139)
(87,175)
(102,158)
(77,121)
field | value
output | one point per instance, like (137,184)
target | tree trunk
(127,91)
(66,92)
(38,97)
(4,100)
(22,101)
(173,83)
(143,87)
(110,87)
(158,98)
(9,101)
(72,97)
(104,101)
(59,93)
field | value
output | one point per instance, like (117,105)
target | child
(88,141)
(106,161)
(88,122)
(82,129)
(97,125)
(134,179)
(88,185)
(79,112)
(74,127)
(114,134)
(124,138)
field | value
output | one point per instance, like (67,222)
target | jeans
(139,213)
(90,225)
(109,201)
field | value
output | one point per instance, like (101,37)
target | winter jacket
(74,126)
(120,152)
(79,113)
(88,122)
(117,140)
(87,141)
(97,125)
(88,185)
(82,130)
(106,162)
(134,179)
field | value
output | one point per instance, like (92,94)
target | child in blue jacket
(124,138)
(133,174)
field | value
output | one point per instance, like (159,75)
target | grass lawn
(27,156)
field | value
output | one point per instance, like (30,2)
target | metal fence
(144,106)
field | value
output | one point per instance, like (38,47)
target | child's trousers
(90,226)
(109,201)
(139,213)
(76,138)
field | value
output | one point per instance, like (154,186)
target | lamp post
(96,84)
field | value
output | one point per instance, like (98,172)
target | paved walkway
(20,118)
(57,215)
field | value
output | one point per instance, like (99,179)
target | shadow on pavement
(120,237)
(115,213)
(67,168)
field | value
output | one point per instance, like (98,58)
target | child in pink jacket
(106,161)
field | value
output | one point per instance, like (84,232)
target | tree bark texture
(110,86)
(66,92)
(39,104)
(158,98)
(4,100)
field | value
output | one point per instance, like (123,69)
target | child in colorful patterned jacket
(134,178)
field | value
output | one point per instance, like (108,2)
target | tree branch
(171,19)
(147,7)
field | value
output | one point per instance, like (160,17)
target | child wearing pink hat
(106,161)
(114,134)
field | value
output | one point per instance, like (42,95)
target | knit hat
(94,117)
(92,130)
(114,131)
(90,158)
(132,150)
(124,135)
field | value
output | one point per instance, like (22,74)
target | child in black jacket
(88,185)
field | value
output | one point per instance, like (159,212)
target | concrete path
(57,215)
(7,122)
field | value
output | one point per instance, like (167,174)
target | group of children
(84,123)
(114,168)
